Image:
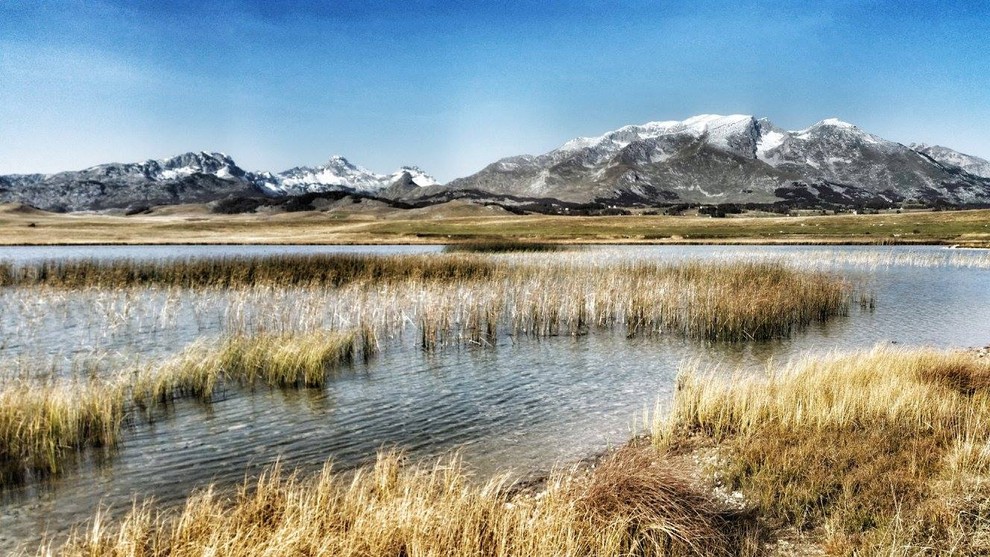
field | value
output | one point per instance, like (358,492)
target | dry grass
(631,505)
(878,453)
(285,271)
(45,426)
(434,225)
(470,297)
(293,361)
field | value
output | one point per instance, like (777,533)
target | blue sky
(451,86)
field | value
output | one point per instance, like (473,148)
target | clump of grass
(631,505)
(502,246)
(284,360)
(42,426)
(883,452)
(331,270)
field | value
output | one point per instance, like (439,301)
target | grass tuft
(42,427)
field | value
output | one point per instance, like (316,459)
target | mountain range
(706,159)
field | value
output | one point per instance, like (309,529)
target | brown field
(455,222)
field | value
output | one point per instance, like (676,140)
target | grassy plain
(195,225)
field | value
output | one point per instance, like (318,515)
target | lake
(523,406)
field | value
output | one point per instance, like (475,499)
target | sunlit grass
(876,453)
(42,426)
(45,425)
(301,360)
(635,503)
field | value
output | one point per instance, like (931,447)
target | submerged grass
(457,298)
(877,453)
(44,426)
(635,503)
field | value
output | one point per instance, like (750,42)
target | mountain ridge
(704,159)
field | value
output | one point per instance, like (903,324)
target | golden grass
(331,270)
(633,504)
(44,426)
(876,453)
(471,297)
(298,360)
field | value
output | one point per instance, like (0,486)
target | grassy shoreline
(881,452)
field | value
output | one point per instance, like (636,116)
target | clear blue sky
(451,86)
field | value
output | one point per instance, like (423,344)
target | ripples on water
(526,405)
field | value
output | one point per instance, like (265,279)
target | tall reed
(42,426)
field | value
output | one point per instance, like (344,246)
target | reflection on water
(526,405)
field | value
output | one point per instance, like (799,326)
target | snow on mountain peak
(835,122)
(718,129)
(338,173)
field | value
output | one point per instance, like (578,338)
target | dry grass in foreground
(885,452)
(634,503)
(878,453)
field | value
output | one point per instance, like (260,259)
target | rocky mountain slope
(735,159)
(948,157)
(188,178)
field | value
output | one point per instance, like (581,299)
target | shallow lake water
(523,406)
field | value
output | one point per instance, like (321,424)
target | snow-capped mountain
(704,159)
(195,178)
(188,178)
(338,174)
(731,159)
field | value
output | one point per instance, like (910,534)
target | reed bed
(503,246)
(879,453)
(635,503)
(44,426)
(560,294)
(286,361)
(330,270)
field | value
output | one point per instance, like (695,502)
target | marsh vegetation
(876,453)
(289,322)
(798,449)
